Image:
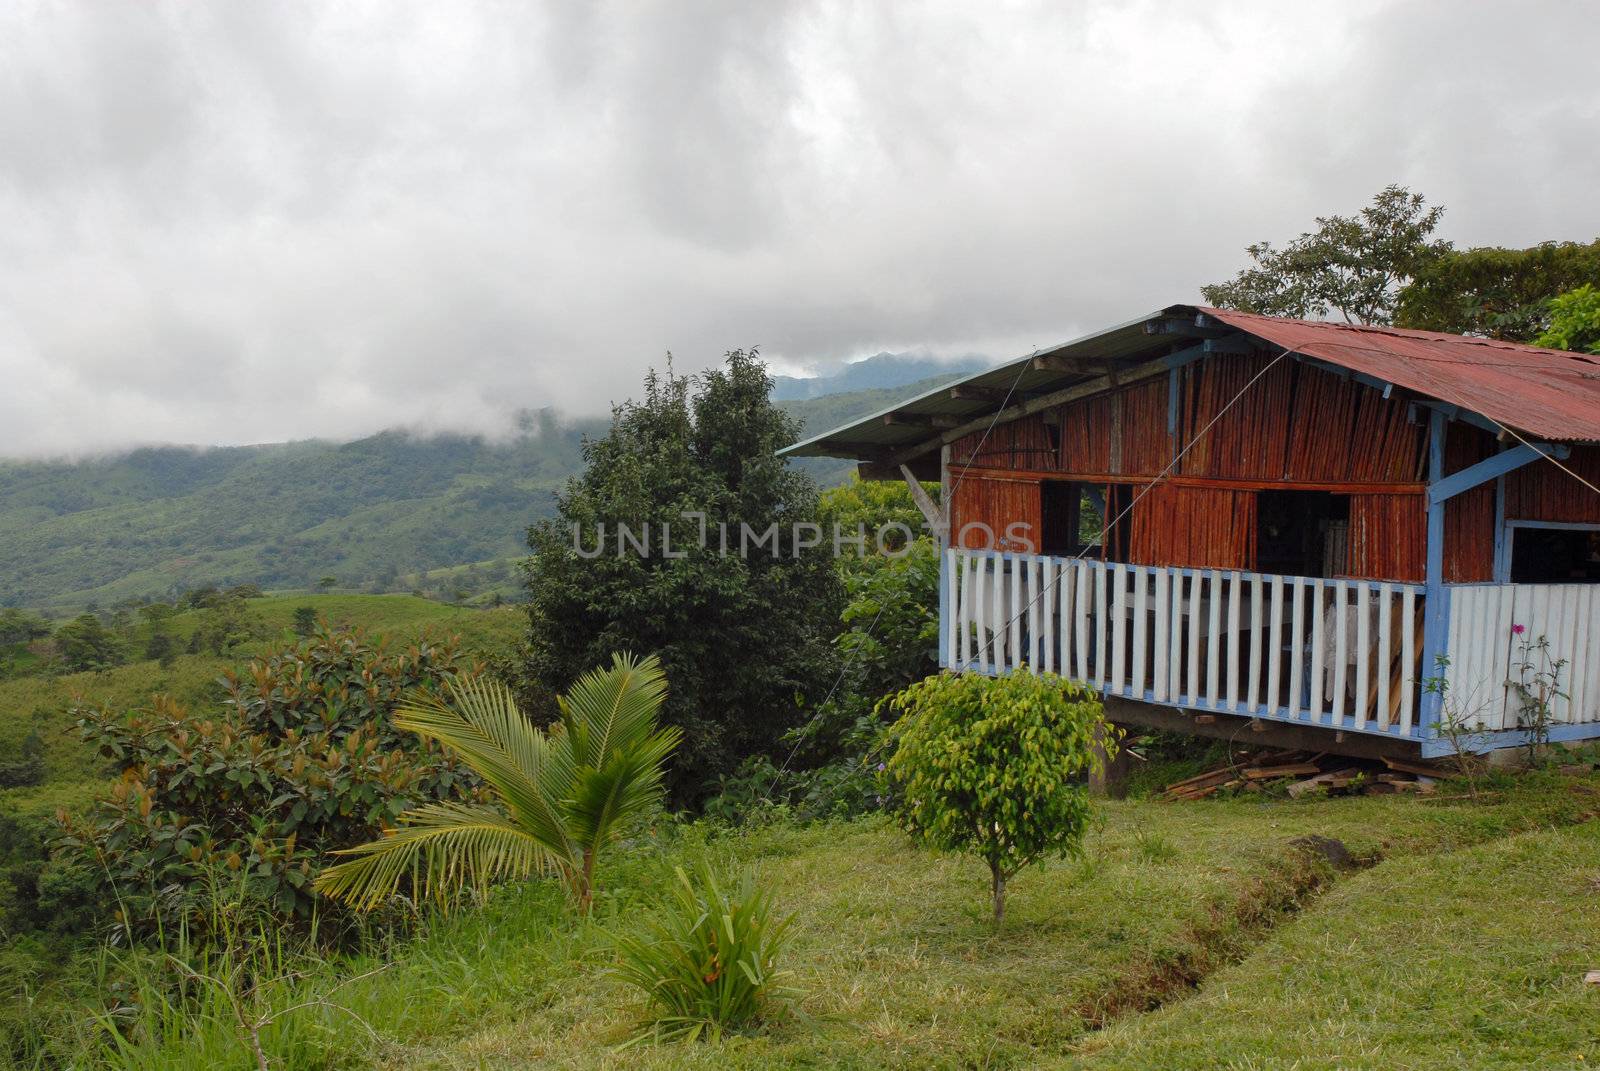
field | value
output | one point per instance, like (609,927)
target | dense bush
(995,766)
(302,759)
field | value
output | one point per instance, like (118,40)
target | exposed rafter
(921,420)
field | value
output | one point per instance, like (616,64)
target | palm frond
(442,848)
(609,710)
(627,785)
(484,728)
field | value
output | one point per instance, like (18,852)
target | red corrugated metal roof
(1552,393)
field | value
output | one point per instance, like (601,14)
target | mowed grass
(1462,945)
(1473,959)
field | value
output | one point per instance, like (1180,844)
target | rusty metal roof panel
(1555,394)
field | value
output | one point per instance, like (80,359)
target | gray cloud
(241,222)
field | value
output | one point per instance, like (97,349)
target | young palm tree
(559,796)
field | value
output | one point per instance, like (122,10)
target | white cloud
(239,223)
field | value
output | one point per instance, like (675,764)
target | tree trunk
(997,880)
(586,882)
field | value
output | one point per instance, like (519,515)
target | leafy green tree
(19,626)
(1496,293)
(327,582)
(305,620)
(161,648)
(744,637)
(1574,321)
(87,644)
(1355,266)
(225,626)
(559,798)
(995,767)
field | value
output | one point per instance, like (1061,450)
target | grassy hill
(382,513)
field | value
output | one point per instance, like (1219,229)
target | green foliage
(1496,293)
(559,798)
(994,766)
(303,759)
(744,639)
(707,963)
(871,505)
(226,624)
(86,644)
(305,620)
(1574,320)
(1353,265)
(26,766)
(19,626)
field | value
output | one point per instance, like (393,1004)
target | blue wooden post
(1436,617)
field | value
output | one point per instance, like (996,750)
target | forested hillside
(371,513)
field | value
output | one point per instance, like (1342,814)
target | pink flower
(1517,630)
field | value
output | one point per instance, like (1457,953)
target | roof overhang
(1550,394)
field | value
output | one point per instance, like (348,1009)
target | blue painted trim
(1174,384)
(1435,618)
(1466,416)
(1443,488)
(1571,526)
(1229,344)
(1242,710)
(1187,355)
(1502,536)
(1490,740)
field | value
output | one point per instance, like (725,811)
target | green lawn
(1463,947)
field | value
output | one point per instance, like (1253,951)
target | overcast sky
(230,222)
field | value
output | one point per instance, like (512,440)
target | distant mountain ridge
(161,519)
(880,371)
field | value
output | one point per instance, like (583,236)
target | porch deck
(1338,654)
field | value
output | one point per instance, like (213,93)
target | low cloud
(243,223)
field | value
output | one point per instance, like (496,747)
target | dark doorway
(1072,516)
(1302,533)
(1555,555)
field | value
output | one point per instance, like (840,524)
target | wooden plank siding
(1542,492)
(1299,425)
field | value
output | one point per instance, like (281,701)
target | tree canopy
(744,638)
(1355,266)
(1497,293)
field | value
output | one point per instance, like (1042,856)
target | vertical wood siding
(1542,492)
(1388,537)
(1194,526)
(1468,517)
(997,504)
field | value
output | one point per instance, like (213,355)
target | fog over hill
(153,520)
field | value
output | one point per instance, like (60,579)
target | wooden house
(1332,535)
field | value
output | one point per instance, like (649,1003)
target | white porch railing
(1340,653)
(1484,652)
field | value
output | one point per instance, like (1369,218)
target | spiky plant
(559,797)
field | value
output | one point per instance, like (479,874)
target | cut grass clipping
(707,961)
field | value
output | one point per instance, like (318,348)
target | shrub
(994,766)
(303,759)
(707,962)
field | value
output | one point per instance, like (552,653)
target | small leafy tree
(87,644)
(559,797)
(996,766)
(1353,265)
(305,620)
